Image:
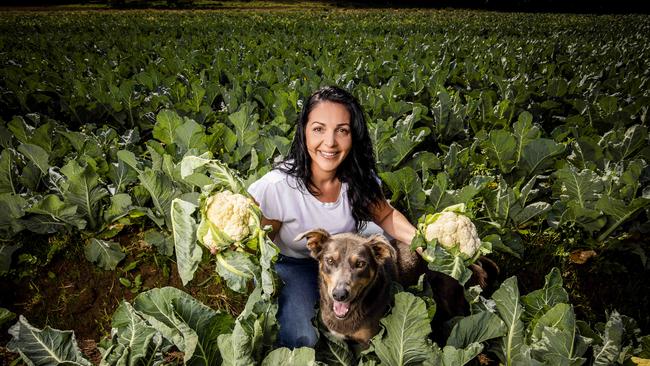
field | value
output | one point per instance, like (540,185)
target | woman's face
(328,135)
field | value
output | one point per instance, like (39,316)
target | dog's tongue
(341,308)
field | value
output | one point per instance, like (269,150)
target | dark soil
(71,293)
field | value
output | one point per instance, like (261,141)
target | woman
(328,180)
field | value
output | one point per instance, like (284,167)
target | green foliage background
(538,123)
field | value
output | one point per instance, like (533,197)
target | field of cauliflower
(128,139)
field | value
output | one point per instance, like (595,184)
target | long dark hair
(358,169)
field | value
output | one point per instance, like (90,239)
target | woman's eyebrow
(338,125)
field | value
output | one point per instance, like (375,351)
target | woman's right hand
(275,224)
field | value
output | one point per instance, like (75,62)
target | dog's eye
(329,261)
(360,264)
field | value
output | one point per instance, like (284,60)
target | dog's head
(348,263)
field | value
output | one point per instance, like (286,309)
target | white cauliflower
(230,213)
(452,229)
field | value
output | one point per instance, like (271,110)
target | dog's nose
(340,294)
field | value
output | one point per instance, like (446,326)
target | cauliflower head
(230,213)
(454,230)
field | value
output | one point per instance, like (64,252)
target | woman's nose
(330,139)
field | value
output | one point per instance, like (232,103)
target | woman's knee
(297,335)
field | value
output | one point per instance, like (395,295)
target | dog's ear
(381,248)
(315,240)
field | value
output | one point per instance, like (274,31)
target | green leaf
(164,243)
(119,207)
(246,127)
(253,333)
(537,155)
(166,123)
(20,129)
(476,184)
(51,215)
(529,212)
(156,306)
(129,159)
(407,137)
(162,191)
(447,116)
(404,341)
(619,212)
(221,175)
(524,132)
(44,347)
(188,252)
(268,253)
(583,187)
(6,251)
(84,191)
(43,137)
(499,203)
(334,352)
(223,140)
(5,316)
(236,348)
(406,183)
(121,176)
(131,345)
(554,337)
(106,254)
(442,261)
(635,138)
(7,172)
(585,153)
(501,148)
(512,348)
(236,268)
(37,155)
(540,301)
(76,139)
(557,87)
(189,135)
(608,350)
(13,208)
(284,356)
(452,356)
(425,162)
(476,328)
(208,325)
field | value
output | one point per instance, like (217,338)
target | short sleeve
(266,193)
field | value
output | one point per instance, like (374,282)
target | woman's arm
(275,224)
(394,223)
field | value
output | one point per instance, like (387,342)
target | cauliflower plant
(449,242)
(230,214)
(454,230)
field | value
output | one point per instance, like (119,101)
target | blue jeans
(298,297)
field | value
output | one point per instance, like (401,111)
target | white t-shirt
(281,199)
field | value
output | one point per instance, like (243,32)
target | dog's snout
(340,293)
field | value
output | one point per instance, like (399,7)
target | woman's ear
(315,240)
(381,248)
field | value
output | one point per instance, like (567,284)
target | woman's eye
(344,131)
(318,129)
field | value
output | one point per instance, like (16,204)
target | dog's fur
(355,275)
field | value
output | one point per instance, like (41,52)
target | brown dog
(355,282)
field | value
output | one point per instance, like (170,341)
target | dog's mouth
(341,309)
